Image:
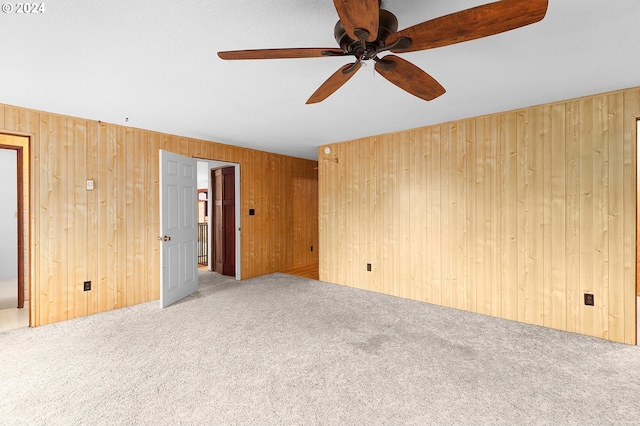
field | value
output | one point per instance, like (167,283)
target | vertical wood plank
(76,152)
(323,223)
(472,223)
(142,207)
(404,215)
(152,194)
(485,162)
(458,215)
(248,175)
(445,219)
(394,212)
(600,283)
(35,233)
(91,172)
(537,134)
(113,232)
(494,164)
(614,321)
(418,212)
(368,213)
(129,228)
(546,199)
(556,156)
(433,292)
(524,221)
(531,238)
(352,205)
(465,155)
(53,295)
(388,164)
(339,214)
(631,138)
(572,203)
(587,208)
(508,213)
(379,214)
(12,119)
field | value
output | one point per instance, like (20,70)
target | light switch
(89,185)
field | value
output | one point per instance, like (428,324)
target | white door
(178,227)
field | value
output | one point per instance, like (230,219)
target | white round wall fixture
(327,150)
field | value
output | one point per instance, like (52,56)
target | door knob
(165,238)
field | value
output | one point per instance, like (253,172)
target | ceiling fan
(365,30)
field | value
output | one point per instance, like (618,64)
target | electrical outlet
(252,212)
(369,267)
(87,285)
(588,299)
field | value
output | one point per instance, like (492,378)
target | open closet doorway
(14,287)
(222,244)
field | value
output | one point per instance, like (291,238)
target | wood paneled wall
(514,215)
(109,235)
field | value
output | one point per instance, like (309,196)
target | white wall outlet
(89,185)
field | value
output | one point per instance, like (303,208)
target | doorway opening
(215,245)
(16,305)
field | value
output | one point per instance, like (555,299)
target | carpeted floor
(287,350)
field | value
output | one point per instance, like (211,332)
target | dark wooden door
(224,221)
(216,229)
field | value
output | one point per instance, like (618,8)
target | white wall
(8,210)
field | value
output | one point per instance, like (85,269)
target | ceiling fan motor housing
(388,25)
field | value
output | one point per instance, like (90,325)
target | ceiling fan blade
(409,77)
(471,24)
(359,14)
(280,53)
(334,82)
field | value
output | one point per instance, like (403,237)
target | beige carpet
(287,350)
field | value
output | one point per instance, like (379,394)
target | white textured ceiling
(154,62)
